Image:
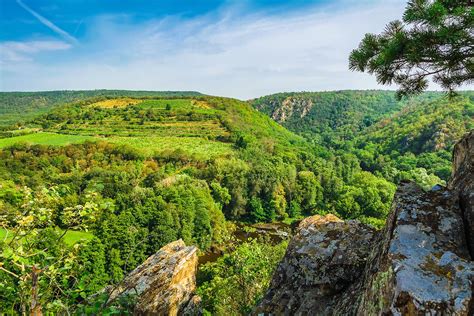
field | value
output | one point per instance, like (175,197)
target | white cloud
(223,53)
(12,51)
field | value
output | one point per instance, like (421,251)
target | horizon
(215,95)
(236,49)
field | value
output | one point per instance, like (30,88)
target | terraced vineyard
(156,126)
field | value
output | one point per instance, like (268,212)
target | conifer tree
(435,39)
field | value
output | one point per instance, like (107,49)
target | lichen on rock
(425,252)
(323,258)
(165,283)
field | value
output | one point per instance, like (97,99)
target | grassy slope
(44,138)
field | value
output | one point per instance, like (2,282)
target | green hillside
(418,140)
(200,128)
(407,139)
(255,169)
(331,118)
(21,106)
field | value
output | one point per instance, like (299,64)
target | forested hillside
(331,118)
(134,173)
(416,142)
(407,139)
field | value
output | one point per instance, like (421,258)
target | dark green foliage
(91,268)
(97,305)
(435,39)
(257,212)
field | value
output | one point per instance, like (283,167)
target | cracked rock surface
(165,283)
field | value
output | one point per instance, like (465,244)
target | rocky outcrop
(292,106)
(323,258)
(420,264)
(462,182)
(165,283)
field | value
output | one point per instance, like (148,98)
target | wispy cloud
(49,24)
(13,51)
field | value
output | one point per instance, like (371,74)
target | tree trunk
(35,309)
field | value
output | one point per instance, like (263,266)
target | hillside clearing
(44,138)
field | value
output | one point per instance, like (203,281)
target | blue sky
(240,49)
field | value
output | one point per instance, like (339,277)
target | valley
(125,173)
(269,176)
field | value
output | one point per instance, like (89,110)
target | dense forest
(407,139)
(90,188)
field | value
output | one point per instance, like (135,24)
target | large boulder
(421,263)
(325,256)
(165,283)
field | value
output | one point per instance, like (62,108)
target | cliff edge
(421,263)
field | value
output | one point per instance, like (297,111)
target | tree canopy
(435,39)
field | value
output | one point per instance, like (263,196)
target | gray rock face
(324,257)
(292,106)
(420,264)
(165,283)
(462,182)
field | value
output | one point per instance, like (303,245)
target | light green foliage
(44,138)
(237,281)
(367,196)
(186,148)
(170,104)
(70,238)
(33,248)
